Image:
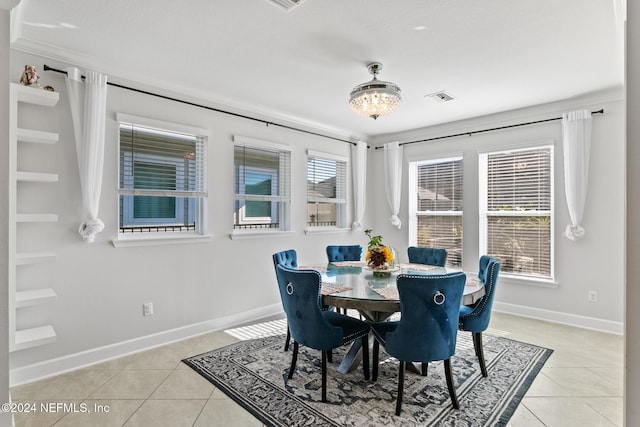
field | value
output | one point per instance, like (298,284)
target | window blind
(440,206)
(326,191)
(163,177)
(517,209)
(157,162)
(261,187)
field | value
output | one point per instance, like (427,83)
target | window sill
(325,230)
(527,281)
(258,234)
(158,239)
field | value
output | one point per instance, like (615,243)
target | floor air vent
(286,4)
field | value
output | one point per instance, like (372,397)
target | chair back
(429,256)
(482,267)
(428,327)
(301,300)
(288,258)
(344,253)
(476,317)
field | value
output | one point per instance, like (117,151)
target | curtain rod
(601,111)
(268,123)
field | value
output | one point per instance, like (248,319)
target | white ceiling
(300,65)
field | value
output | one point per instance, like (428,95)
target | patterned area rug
(254,374)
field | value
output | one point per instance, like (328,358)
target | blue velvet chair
(429,256)
(344,253)
(313,327)
(428,327)
(289,259)
(475,318)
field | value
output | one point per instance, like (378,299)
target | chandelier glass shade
(375,98)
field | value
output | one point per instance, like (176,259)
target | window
(162,176)
(261,185)
(436,206)
(326,190)
(516,210)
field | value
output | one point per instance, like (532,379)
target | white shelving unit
(33,296)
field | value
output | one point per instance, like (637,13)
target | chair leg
(287,340)
(324,375)
(365,356)
(330,356)
(425,368)
(376,350)
(452,390)
(294,359)
(400,388)
(477,344)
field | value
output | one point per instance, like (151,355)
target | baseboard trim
(60,365)
(49,368)
(578,321)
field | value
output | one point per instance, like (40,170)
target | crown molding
(175,89)
(532,112)
(8,4)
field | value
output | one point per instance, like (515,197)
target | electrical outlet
(592,296)
(147,309)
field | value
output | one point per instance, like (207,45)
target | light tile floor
(580,385)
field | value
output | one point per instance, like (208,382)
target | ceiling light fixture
(375,98)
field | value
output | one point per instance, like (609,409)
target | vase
(381,273)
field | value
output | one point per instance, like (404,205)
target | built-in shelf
(43,217)
(23,295)
(36,136)
(35,297)
(33,337)
(26,258)
(36,96)
(36,177)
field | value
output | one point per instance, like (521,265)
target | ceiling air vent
(286,4)
(440,96)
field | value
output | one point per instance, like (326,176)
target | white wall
(594,263)
(632,324)
(5,418)
(101,288)
(199,286)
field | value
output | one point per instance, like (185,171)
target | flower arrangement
(379,256)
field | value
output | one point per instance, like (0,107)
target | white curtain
(359,176)
(576,142)
(393,179)
(88,102)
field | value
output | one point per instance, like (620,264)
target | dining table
(352,285)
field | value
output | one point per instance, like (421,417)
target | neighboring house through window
(326,190)
(163,176)
(436,206)
(261,185)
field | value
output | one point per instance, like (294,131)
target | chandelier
(375,98)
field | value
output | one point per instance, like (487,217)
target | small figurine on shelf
(30,76)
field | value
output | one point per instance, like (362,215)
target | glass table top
(355,281)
